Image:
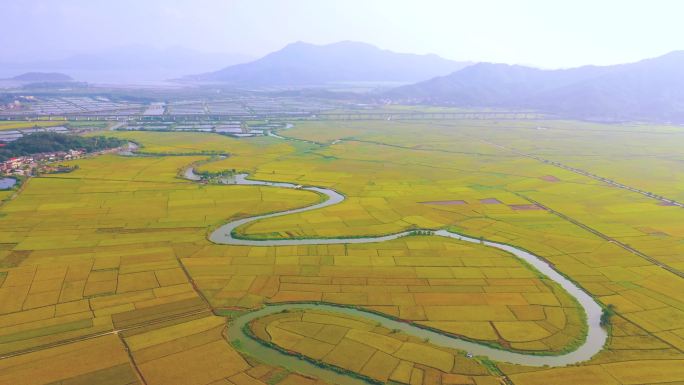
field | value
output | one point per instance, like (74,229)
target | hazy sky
(544,33)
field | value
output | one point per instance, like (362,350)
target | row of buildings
(38,163)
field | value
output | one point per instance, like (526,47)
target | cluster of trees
(42,142)
(607,314)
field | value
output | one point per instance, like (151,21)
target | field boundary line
(604,236)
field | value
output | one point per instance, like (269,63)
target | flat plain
(110,264)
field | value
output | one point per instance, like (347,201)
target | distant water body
(7,183)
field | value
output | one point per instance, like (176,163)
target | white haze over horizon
(548,34)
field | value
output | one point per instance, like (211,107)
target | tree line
(43,142)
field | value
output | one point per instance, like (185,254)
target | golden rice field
(120,245)
(10,125)
(466,290)
(5,194)
(362,347)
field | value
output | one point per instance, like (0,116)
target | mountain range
(301,64)
(651,89)
(45,77)
(43,80)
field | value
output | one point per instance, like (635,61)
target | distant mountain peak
(298,43)
(679,54)
(351,43)
(341,43)
(301,64)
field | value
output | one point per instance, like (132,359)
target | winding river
(594,342)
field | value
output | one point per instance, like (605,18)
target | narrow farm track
(114,331)
(663,200)
(407,148)
(596,335)
(606,237)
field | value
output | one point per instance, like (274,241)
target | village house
(30,165)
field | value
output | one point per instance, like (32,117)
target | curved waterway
(594,342)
